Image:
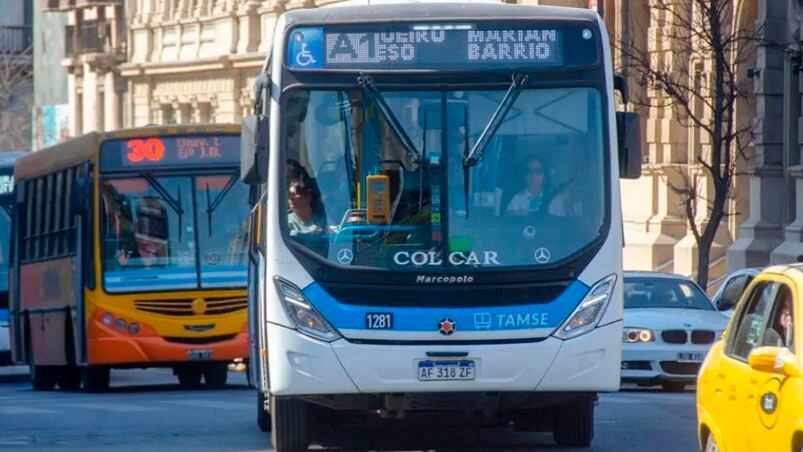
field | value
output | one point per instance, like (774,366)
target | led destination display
(447,46)
(164,151)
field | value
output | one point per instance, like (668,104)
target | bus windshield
(166,232)
(357,195)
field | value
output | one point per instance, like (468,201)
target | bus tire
(69,378)
(43,378)
(216,375)
(95,378)
(574,422)
(188,376)
(289,424)
(263,416)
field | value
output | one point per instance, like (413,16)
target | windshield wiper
(374,95)
(214,204)
(516,86)
(174,203)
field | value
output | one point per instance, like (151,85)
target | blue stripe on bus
(490,318)
(4,315)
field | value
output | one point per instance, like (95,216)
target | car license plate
(691,357)
(199,355)
(464,369)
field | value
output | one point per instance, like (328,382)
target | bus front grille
(200,340)
(193,306)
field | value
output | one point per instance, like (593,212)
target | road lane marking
(115,407)
(17,410)
(210,404)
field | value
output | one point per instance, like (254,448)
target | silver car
(669,325)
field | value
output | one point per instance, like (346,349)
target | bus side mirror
(628,128)
(81,194)
(254,149)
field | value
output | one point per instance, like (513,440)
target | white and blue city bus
(7,160)
(436,219)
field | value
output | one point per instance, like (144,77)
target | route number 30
(151,150)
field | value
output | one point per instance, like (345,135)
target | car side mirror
(80,196)
(723,304)
(628,128)
(775,360)
(254,149)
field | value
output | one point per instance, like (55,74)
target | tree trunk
(703,261)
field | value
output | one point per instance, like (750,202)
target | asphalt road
(146,410)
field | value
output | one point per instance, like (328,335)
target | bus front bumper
(111,346)
(300,365)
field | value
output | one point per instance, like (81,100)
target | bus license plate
(199,355)
(691,357)
(464,369)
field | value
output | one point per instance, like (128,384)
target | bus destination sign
(432,46)
(170,151)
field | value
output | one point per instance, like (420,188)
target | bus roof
(396,10)
(85,147)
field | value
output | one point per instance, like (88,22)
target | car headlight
(306,318)
(589,312)
(634,335)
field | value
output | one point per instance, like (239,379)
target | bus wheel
(215,375)
(42,377)
(95,378)
(574,423)
(69,378)
(263,417)
(289,424)
(188,376)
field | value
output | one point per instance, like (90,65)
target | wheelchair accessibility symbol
(304,56)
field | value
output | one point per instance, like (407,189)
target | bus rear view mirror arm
(628,125)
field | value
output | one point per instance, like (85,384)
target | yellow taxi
(750,387)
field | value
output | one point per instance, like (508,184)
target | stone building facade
(95,46)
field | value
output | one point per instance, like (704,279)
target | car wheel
(289,424)
(42,378)
(711,444)
(674,386)
(69,378)
(95,378)
(188,376)
(216,375)
(574,423)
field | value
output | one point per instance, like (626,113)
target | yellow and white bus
(130,251)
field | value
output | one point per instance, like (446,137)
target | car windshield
(645,292)
(163,232)
(362,193)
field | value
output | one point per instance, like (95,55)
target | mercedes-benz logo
(345,256)
(542,255)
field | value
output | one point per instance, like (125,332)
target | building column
(791,250)
(92,112)
(74,100)
(113,104)
(762,232)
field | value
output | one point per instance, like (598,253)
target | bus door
(81,204)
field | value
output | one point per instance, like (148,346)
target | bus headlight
(633,335)
(589,311)
(307,319)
